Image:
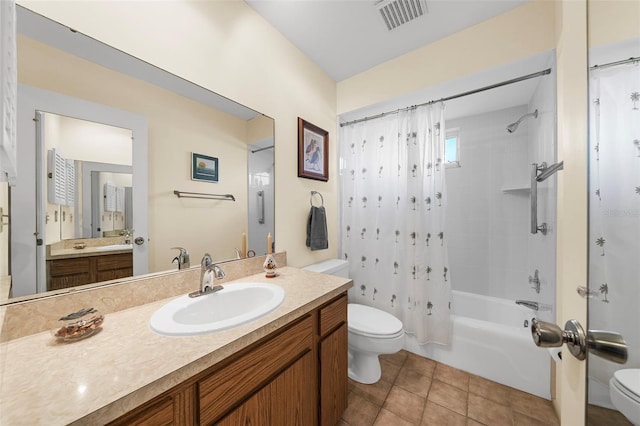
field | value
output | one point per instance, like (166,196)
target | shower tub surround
(96,380)
(489,339)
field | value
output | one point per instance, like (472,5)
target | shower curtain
(393,233)
(614,225)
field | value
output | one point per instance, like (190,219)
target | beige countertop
(94,381)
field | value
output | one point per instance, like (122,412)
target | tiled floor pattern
(599,416)
(418,391)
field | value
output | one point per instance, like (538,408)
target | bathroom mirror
(183,121)
(614,205)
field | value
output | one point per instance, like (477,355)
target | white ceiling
(346,37)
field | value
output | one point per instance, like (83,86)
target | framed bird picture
(313,151)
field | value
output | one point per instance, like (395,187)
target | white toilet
(372,332)
(624,389)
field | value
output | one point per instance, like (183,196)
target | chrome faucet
(529,304)
(182,258)
(209,272)
(127,233)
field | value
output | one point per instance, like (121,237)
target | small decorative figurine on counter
(270,266)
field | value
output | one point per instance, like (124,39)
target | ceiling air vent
(398,12)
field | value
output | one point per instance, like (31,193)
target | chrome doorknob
(546,334)
(139,241)
(605,344)
(608,345)
(549,335)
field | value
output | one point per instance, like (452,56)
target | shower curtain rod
(261,149)
(459,95)
(616,63)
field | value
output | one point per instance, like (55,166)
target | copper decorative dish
(79,325)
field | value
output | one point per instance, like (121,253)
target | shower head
(513,126)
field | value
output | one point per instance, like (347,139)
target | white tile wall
(491,250)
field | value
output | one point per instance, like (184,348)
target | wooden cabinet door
(255,411)
(288,399)
(293,396)
(334,390)
(177,407)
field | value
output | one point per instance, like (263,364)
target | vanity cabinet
(297,375)
(72,272)
(334,391)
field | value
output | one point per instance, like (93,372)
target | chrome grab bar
(540,173)
(261,207)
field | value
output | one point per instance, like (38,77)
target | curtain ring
(311,198)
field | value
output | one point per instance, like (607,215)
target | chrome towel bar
(184,194)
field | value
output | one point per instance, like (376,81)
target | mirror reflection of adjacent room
(613,395)
(174,118)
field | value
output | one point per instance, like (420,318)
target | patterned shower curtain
(393,218)
(614,225)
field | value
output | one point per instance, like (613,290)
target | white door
(27,239)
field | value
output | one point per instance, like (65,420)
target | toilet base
(364,368)
(629,408)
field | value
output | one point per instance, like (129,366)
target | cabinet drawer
(74,266)
(332,315)
(114,261)
(236,381)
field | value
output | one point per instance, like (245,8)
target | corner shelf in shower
(516,190)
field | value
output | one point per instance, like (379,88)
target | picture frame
(313,151)
(204,168)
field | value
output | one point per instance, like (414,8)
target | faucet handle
(535,281)
(218,273)
(206,261)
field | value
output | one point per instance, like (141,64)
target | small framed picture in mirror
(313,151)
(204,167)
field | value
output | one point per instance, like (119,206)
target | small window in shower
(452,148)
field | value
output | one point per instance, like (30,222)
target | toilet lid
(371,321)
(630,379)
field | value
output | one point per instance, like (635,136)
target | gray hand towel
(317,236)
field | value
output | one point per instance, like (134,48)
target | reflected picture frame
(204,168)
(313,151)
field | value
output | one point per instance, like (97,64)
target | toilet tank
(336,267)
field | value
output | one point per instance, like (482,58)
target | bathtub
(490,339)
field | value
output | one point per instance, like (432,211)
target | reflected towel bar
(184,194)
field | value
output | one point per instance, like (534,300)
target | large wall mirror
(614,207)
(124,161)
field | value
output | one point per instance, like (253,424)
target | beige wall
(517,34)
(230,49)
(611,21)
(259,128)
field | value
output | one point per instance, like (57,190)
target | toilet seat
(627,381)
(371,322)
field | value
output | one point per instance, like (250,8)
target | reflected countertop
(55,251)
(85,252)
(96,380)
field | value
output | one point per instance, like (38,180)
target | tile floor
(418,391)
(599,416)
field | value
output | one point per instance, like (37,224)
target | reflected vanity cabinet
(296,375)
(72,272)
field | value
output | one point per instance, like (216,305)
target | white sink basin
(114,247)
(234,305)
